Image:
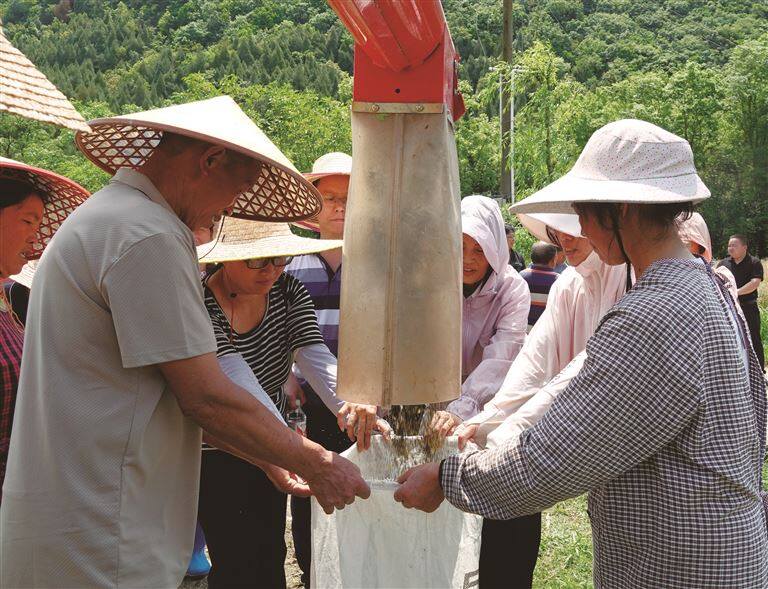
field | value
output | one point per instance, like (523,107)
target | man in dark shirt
(748,271)
(516,260)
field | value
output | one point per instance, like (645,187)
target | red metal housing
(403,52)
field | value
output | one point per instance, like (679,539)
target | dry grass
(292,570)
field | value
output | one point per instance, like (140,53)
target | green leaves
(697,68)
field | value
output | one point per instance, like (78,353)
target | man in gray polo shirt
(119,371)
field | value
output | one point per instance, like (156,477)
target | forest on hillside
(696,67)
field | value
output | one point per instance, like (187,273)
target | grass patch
(565,556)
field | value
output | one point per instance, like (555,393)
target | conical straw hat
(245,240)
(335,163)
(27,274)
(25,91)
(127,141)
(627,161)
(62,195)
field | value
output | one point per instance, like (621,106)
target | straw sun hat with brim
(627,161)
(61,194)
(280,194)
(239,239)
(27,274)
(25,91)
(537,223)
(335,163)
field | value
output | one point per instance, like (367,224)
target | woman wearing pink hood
(495,311)
(495,317)
(577,301)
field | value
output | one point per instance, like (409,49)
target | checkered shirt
(665,430)
(11,343)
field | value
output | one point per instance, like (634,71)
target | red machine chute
(403,53)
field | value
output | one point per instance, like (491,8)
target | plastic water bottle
(297,419)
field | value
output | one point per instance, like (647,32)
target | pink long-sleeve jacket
(495,316)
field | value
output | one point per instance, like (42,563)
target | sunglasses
(276,261)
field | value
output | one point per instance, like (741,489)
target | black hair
(742,238)
(15,190)
(509,229)
(543,253)
(660,216)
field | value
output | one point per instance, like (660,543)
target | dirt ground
(292,570)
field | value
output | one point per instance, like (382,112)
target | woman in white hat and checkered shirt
(665,424)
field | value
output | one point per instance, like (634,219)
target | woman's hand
(293,391)
(465,433)
(444,422)
(359,421)
(420,488)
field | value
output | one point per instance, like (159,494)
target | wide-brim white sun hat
(280,194)
(239,239)
(537,223)
(627,161)
(335,163)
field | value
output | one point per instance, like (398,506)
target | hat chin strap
(620,242)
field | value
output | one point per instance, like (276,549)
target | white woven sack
(378,543)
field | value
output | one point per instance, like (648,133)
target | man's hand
(444,422)
(284,481)
(466,433)
(335,482)
(420,488)
(360,421)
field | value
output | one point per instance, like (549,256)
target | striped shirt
(289,323)
(11,341)
(324,286)
(540,279)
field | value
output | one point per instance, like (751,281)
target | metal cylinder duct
(401,300)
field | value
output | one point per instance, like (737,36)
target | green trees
(478,146)
(722,112)
(698,68)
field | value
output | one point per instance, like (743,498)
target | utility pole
(506,110)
